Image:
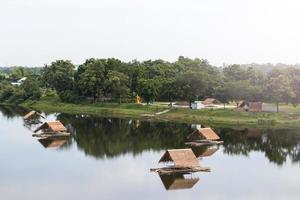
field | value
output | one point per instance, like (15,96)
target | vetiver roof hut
(180,158)
(32,114)
(203,134)
(251,106)
(184,161)
(54,127)
(211,101)
(177,181)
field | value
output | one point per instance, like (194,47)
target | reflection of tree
(277,144)
(12,111)
(104,137)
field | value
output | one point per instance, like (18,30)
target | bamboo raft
(181,170)
(51,134)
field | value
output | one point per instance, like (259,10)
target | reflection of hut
(253,133)
(52,143)
(32,115)
(203,134)
(184,161)
(204,151)
(177,181)
(211,101)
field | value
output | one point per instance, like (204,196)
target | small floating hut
(32,115)
(184,161)
(52,129)
(203,136)
(177,181)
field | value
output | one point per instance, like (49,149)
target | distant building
(197,105)
(19,82)
(211,101)
(256,107)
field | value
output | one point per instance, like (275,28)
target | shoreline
(216,118)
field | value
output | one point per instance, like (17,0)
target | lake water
(109,158)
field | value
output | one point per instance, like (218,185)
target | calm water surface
(110,159)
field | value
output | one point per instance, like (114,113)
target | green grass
(104,109)
(288,117)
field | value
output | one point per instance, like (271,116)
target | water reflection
(205,151)
(277,144)
(52,142)
(112,137)
(178,181)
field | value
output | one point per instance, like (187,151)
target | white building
(197,105)
(19,82)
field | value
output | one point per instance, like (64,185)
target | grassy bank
(289,117)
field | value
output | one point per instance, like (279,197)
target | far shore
(289,117)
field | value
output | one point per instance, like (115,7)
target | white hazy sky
(36,32)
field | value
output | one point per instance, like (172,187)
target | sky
(37,32)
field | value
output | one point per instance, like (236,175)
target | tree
(148,89)
(118,84)
(278,87)
(31,88)
(90,78)
(18,73)
(191,86)
(59,75)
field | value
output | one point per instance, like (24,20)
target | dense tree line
(185,79)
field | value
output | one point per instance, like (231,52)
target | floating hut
(184,161)
(52,142)
(203,136)
(32,115)
(177,181)
(51,129)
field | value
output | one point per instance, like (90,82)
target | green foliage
(185,79)
(6,91)
(148,89)
(31,88)
(59,75)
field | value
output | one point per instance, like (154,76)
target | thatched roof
(177,181)
(251,106)
(55,126)
(52,143)
(203,133)
(210,101)
(180,157)
(31,114)
(204,151)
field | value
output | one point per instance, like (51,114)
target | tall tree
(59,75)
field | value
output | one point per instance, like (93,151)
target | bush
(6,91)
(69,96)
(18,96)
